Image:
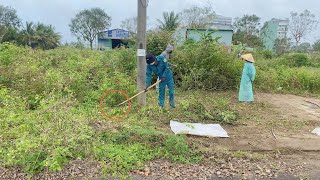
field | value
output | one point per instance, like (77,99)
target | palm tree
(44,37)
(28,34)
(170,21)
(40,36)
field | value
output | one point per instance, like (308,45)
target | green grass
(49,105)
(60,130)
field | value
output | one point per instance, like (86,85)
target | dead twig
(312,103)
(274,135)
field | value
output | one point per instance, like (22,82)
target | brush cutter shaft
(140,93)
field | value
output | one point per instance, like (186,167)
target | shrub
(158,41)
(296,60)
(205,65)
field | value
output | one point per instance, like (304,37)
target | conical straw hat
(248,57)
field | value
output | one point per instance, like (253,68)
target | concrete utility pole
(141,41)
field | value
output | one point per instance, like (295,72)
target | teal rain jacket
(248,75)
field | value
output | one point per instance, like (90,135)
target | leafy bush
(158,41)
(266,54)
(296,60)
(120,159)
(84,73)
(286,79)
(204,65)
(9,52)
(227,117)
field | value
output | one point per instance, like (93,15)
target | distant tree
(247,30)
(8,20)
(248,40)
(170,21)
(130,24)
(197,17)
(12,35)
(316,46)
(301,25)
(249,24)
(45,37)
(88,23)
(303,47)
(281,46)
(28,34)
(34,35)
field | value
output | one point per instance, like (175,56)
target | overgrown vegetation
(49,103)
(291,73)
(205,65)
(50,112)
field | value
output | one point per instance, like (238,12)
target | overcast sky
(59,12)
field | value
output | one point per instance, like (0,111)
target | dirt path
(295,106)
(286,124)
(282,131)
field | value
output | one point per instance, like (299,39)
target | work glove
(162,79)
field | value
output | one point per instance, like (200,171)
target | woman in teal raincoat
(248,75)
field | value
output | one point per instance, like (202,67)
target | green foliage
(131,146)
(303,48)
(285,79)
(46,137)
(177,149)
(12,35)
(9,21)
(264,53)
(49,104)
(281,46)
(41,36)
(88,23)
(296,60)
(315,59)
(206,65)
(316,46)
(219,112)
(227,117)
(120,159)
(9,17)
(8,54)
(295,72)
(170,21)
(249,40)
(247,31)
(248,24)
(35,36)
(87,75)
(158,41)
(77,45)
(207,36)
